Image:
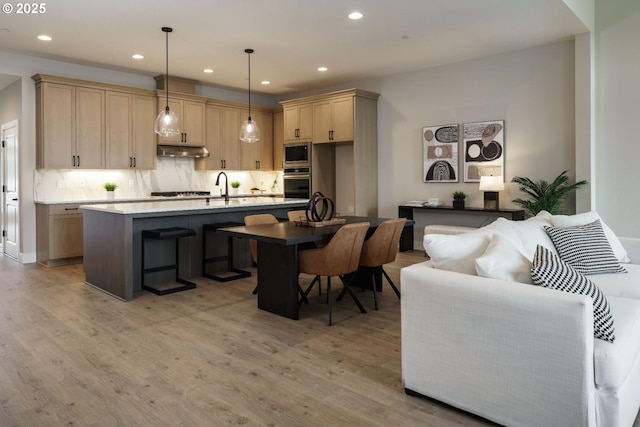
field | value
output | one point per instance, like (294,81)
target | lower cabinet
(58,234)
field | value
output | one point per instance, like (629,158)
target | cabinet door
(89,128)
(212,140)
(57,123)
(144,141)
(118,130)
(322,124)
(65,238)
(278,140)
(258,155)
(290,123)
(193,119)
(342,119)
(305,121)
(231,121)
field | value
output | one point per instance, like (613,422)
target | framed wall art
(483,145)
(440,153)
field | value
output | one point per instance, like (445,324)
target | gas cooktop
(180,193)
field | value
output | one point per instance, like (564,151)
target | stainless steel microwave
(297,155)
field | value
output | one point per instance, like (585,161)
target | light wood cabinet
(278,140)
(258,155)
(58,234)
(212,140)
(130,140)
(333,120)
(70,127)
(298,122)
(345,148)
(190,112)
(89,125)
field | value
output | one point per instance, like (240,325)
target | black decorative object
(328,208)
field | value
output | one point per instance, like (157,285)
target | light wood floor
(72,355)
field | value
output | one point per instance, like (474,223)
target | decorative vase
(234,191)
(111,195)
(458,204)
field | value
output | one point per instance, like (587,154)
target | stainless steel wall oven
(297,183)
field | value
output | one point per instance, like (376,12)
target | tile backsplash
(171,174)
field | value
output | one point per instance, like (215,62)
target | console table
(406,211)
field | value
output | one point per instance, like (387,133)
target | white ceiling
(291,38)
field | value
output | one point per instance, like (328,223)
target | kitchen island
(112,235)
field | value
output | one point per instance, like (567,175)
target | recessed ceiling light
(208,70)
(322,69)
(45,38)
(265,82)
(355,16)
(137,56)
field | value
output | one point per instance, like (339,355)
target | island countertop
(192,206)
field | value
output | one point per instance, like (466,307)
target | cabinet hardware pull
(70,209)
(134,162)
(15,200)
(74,161)
(130,162)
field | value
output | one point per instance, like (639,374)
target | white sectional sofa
(478,335)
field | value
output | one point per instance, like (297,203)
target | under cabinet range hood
(166,150)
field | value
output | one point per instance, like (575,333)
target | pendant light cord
(167,30)
(249,52)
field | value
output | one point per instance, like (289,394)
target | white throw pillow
(531,233)
(586,218)
(455,252)
(504,260)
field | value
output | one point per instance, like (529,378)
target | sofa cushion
(456,252)
(504,259)
(620,285)
(614,361)
(585,248)
(531,234)
(549,271)
(587,217)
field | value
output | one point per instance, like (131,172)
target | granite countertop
(184,205)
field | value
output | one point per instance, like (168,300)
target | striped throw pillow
(549,271)
(585,248)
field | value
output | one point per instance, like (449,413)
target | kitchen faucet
(226,185)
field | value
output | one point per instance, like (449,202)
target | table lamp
(491,185)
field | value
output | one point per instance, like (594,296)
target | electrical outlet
(350,209)
(81,183)
(131,183)
(62,183)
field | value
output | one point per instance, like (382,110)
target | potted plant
(544,196)
(235,185)
(111,188)
(458,199)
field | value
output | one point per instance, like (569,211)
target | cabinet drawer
(65,209)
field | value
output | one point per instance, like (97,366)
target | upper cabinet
(130,140)
(278,140)
(191,113)
(69,126)
(258,155)
(333,120)
(298,122)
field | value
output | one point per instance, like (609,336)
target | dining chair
(379,249)
(257,219)
(339,257)
(297,215)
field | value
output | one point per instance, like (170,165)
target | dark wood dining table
(278,246)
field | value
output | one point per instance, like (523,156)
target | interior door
(11,206)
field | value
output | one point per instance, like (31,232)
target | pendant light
(249,131)
(167,123)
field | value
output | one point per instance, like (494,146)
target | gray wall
(617,151)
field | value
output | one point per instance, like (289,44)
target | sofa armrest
(632,246)
(516,354)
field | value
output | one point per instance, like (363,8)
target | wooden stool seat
(175,233)
(232,272)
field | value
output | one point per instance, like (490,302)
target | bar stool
(223,277)
(175,233)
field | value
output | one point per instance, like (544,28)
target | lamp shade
(249,131)
(491,183)
(167,123)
